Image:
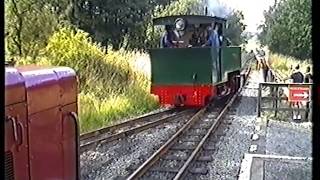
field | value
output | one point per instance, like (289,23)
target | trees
(114,22)
(236,28)
(29,23)
(287,28)
(123,23)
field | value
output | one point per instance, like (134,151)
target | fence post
(243,79)
(308,112)
(259,100)
(272,94)
(277,96)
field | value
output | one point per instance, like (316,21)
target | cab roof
(190,19)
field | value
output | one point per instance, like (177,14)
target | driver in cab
(167,39)
(170,36)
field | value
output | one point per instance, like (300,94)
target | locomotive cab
(193,75)
(184,27)
(41,126)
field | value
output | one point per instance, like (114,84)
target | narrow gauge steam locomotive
(41,126)
(193,76)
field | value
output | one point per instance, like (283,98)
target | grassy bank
(282,64)
(112,84)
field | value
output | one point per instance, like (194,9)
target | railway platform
(273,167)
(279,150)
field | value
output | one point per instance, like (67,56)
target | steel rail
(104,139)
(213,127)
(125,124)
(163,149)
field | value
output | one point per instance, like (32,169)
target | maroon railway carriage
(41,126)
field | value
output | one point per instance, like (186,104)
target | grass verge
(111,85)
(284,64)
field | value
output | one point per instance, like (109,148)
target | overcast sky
(252,10)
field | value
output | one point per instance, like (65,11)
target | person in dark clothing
(308,77)
(195,40)
(297,76)
(265,69)
(167,39)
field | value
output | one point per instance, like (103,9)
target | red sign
(299,93)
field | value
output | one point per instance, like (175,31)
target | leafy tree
(29,23)
(114,22)
(235,28)
(287,28)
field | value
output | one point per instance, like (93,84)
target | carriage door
(16,147)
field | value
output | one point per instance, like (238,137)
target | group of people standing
(296,77)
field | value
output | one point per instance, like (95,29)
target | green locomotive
(193,75)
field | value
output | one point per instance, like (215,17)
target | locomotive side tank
(41,126)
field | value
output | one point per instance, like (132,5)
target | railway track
(111,133)
(178,157)
(133,126)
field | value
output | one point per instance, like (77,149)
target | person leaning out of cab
(214,39)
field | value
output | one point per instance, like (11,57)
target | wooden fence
(280,95)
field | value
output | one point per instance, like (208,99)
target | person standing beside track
(308,78)
(264,68)
(297,77)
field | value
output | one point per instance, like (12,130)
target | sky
(252,10)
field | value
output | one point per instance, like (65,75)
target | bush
(282,64)
(110,87)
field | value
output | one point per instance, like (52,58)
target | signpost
(298,93)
